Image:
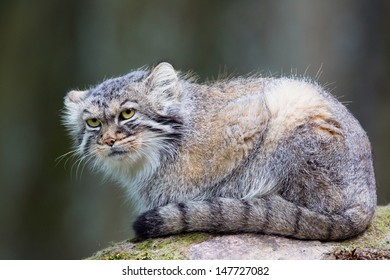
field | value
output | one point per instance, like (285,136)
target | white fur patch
(289,100)
(290,103)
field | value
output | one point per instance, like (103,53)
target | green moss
(374,243)
(168,248)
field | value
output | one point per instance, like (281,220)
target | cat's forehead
(114,88)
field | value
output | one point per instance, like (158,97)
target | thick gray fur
(263,155)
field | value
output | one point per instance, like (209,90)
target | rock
(374,243)
(254,247)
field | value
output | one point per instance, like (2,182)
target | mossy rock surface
(374,243)
(167,248)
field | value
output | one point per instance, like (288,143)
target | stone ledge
(372,244)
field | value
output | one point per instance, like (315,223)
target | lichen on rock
(374,243)
(163,248)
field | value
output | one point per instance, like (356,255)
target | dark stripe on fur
(80,136)
(165,120)
(298,216)
(330,227)
(216,214)
(268,210)
(149,224)
(247,211)
(154,129)
(171,122)
(130,127)
(87,144)
(183,211)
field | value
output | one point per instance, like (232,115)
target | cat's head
(127,124)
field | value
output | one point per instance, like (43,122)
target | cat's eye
(127,114)
(93,122)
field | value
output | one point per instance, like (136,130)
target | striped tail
(269,215)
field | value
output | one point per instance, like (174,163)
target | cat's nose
(109,141)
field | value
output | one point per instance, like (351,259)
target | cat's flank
(262,155)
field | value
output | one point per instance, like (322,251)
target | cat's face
(128,122)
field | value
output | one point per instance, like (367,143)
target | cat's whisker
(74,167)
(77,165)
(89,158)
(67,155)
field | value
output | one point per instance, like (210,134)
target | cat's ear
(163,82)
(75,96)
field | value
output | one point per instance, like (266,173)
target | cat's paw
(149,225)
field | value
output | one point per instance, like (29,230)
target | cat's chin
(128,166)
(129,169)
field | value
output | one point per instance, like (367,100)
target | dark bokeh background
(49,47)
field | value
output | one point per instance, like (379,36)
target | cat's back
(234,118)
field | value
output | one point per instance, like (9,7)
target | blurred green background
(50,47)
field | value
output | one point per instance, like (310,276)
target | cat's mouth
(117,152)
(113,152)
